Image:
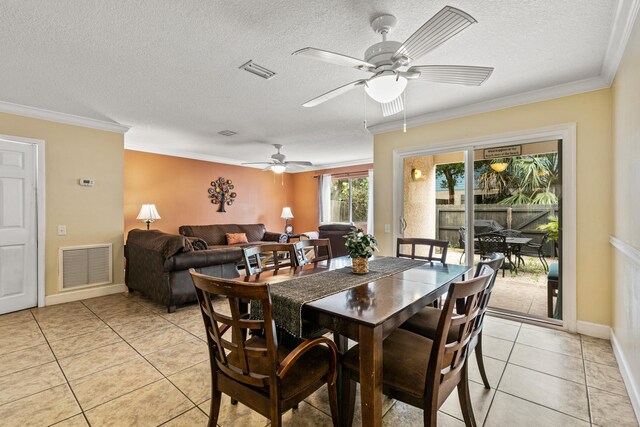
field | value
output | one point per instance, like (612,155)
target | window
(346,199)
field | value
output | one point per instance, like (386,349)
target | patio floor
(525,292)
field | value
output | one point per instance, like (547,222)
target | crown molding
(54,116)
(224,160)
(336,165)
(623,22)
(187,155)
(559,91)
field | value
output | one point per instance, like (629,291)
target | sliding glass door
(517,211)
(506,198)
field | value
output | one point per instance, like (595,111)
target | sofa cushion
(196,259)
(216,234)
(233,238)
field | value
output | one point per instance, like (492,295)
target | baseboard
(80,294)
(594,329)
(632,389)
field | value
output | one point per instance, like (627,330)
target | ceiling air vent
(227,132)
(258,70)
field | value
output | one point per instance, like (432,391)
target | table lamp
(148,213)
(287,215)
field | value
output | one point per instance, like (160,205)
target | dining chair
(428,244)
(258,372)
(496,243)
(272,256)
(423,372)
(312,251)
(425,322)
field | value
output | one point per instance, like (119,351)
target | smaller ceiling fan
(278,164)
(389,60)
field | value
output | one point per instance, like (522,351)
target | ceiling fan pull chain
(404,111)
(364,93)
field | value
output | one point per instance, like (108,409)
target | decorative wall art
(221,194)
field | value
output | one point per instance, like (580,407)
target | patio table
(369,312)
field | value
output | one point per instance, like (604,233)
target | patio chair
(462,231)
(494,242)
(539,251)
(258,371)
(515,250)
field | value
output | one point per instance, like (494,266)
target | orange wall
(305,203)
(178,187)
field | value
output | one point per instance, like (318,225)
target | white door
(18,231)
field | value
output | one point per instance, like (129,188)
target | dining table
(367,312)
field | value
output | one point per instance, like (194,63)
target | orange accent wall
(179,189)
(305,203)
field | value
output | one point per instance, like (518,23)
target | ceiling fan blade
(258,163)
(393,107)
(295,163)
(332,94)
(437,30)
(334,58)
(455,74)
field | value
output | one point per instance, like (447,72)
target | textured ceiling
(170,69)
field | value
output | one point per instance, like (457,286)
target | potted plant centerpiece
(361,247)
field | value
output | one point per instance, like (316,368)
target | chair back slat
(429,246)
(490,265)
(268,257)
(312,251)
(229,331)
(448,358)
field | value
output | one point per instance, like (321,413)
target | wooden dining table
(369,313)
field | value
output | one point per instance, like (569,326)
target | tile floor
(121,360)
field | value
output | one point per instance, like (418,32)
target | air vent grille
(258,70)
(82,266)
(227,132)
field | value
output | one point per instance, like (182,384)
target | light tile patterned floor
(122,360)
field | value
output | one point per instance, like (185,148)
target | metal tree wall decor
(221,194)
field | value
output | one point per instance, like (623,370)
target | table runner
(289,296)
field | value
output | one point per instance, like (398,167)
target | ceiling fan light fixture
(386,87)
(278,168)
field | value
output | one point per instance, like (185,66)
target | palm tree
(527,180)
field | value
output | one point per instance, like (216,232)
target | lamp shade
(286,213)
(278,168)
(148,212)
(386,87)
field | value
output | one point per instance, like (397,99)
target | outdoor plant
(551,228)
(360,245)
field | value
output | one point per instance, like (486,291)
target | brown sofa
(158,265)
(216,234)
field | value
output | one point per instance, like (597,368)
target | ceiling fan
(389,61)
(278,164)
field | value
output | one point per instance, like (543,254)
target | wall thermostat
(86,182)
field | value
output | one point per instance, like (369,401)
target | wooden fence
(524,218)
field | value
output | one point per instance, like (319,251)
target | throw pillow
(234,238)
(197,243)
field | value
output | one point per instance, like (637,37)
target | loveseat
(216,234)
(158,265)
